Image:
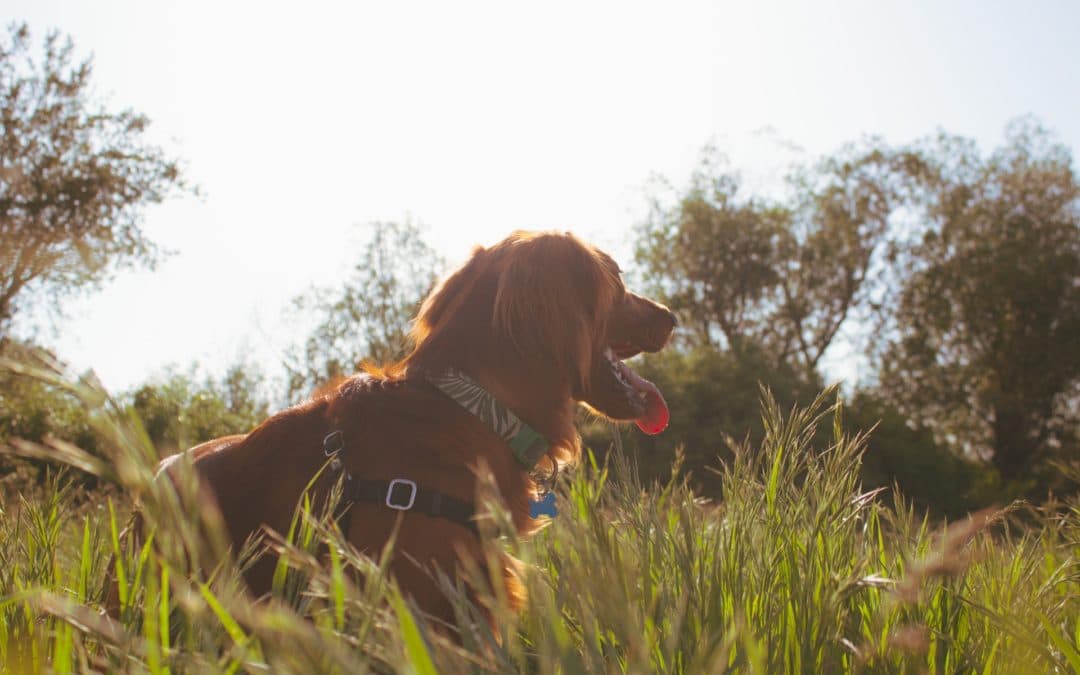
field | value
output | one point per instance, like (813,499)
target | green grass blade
(232,628)
(118,557)
(84,562)
(1067,649)
(415,649)
(163,612)
(337,588)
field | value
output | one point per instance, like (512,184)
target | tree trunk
(1014,447)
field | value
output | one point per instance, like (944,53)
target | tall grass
(796,569)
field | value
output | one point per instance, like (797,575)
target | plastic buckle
(390,494)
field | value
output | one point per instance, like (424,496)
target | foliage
(178,413)
(714,402)
(796,570)
(961,269)
(907,457)
(714,257)
(175,413)
(713,397)
(74,177)
(984,346)
(748,273)
(366,319)
(32,410)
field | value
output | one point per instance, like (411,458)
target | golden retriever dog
(504,350)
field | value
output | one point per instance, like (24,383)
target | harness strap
(404,495)
(399,494)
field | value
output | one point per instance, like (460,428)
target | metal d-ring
(333,444)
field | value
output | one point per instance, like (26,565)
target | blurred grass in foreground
(795,570)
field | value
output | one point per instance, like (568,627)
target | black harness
(399,494)
(402,494)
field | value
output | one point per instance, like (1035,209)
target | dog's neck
(526,444)
(528,387)
(534,400)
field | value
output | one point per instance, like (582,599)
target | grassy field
(795,570)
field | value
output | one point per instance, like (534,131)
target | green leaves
(984,349)
(177,411)
(367,317)
(780,275)
(74,177)
(959,267)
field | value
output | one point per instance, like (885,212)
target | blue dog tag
(545,506)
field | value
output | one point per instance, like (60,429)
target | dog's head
(555,309)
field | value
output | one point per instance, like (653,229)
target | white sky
(301,120)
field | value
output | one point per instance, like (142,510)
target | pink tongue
(656,414)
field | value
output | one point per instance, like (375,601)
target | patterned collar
(527,445)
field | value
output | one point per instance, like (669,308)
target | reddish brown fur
(528,319)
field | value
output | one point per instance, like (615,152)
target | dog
(503,351)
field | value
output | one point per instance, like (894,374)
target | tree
(177,412)
(32,410)
(367,318)
(715,257)
(748,273)
(74,178)
(985,341)
(899,453)
(843,235)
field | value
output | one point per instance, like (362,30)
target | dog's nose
(672,320)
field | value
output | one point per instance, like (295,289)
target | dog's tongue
(656,414)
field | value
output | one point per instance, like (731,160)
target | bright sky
(301,120)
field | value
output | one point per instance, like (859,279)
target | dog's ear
(550,302)
(446,301)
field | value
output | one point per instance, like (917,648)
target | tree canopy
(985,344)
(75,177)
(367,317)
(178,410)
(783,276)
(963,269)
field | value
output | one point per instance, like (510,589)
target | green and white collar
(526,443)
